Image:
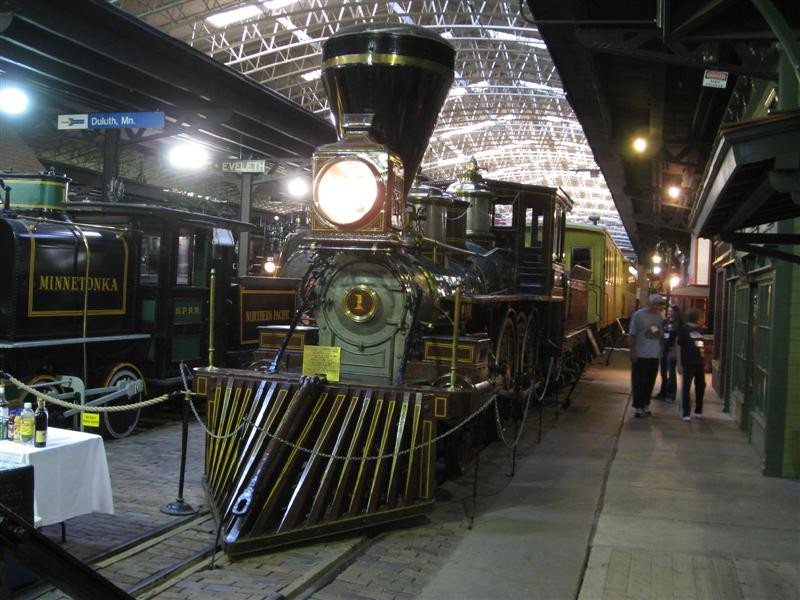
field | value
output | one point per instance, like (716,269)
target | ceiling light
(188,155)
(632,270)
(674,281)
(657,270)
(234,15)
(640,144)
(674,191)
(13,101)
(298,187)
(656,259)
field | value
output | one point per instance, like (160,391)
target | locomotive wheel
(24,396)
(505,368)
(505,355)
(121,424)
(529,372)
(55,412)
(458,452)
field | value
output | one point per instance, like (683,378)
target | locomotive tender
(107,299)
(420,307)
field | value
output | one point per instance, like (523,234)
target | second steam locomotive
(418,310)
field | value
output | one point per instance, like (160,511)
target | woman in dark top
(669,381)
(689,348)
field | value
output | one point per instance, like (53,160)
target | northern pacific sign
(134,120)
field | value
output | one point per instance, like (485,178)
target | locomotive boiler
(419,309)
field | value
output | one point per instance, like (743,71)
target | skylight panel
(513,37)
(234,15)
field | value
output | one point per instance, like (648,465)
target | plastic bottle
(26,424)
(3,401)
(40,425)
(3,413)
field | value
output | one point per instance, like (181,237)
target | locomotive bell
(400,74)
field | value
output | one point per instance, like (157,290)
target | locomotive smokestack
(399,73)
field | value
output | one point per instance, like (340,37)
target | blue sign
(133,120)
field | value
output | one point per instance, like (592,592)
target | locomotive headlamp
(347,192)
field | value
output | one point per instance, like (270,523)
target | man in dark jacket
(689,349)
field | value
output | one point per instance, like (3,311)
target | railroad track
(185,548)
(184,555)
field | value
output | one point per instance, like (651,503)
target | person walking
(669,380)
(647,341)
(689,348)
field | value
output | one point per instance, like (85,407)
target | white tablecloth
(70,474)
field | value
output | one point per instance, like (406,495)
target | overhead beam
(707,11)
(600,41)
(95,38)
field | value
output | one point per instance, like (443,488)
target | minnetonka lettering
(67,283)
(266,315)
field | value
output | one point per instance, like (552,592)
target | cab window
(149,261)
(534,226)
(582,256)
(192,258)
(503,215)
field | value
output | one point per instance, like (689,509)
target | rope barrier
(83,407)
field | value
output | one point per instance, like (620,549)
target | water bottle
(3,413)
(26,424)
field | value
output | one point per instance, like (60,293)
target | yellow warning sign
(90,419)
(322,360)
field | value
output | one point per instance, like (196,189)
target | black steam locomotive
(419,307)
(101,302)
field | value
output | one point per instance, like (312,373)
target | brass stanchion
(456,334)
(179,507)
(211,306)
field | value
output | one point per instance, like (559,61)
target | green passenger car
(610,294)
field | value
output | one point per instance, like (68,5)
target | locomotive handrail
(439,244)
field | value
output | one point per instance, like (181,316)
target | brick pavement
(401,563)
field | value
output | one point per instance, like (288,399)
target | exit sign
(244,166)
(715,79)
